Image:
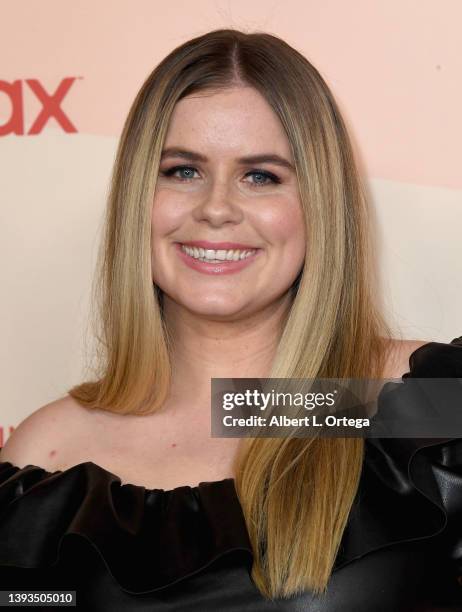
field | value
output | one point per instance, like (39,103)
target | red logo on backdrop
(51,106)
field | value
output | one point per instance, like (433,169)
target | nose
(217,205)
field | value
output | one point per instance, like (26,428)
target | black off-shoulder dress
(124,547)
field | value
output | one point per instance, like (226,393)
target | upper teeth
(212,254)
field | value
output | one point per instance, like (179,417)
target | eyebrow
(260,158)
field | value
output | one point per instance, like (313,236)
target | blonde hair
(296,493)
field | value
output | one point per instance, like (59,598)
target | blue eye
(187,170)
(263,178)
(267,176)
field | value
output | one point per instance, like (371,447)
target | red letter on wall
(51,106)
(15,124)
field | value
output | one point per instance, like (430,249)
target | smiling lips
(215,261)
(205,244)
(215,256)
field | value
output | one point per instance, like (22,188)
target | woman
(234,148)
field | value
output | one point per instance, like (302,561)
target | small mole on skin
(173,444)
(52,453)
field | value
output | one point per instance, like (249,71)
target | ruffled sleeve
(147,539)
(411,489)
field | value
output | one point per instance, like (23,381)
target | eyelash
(272,177)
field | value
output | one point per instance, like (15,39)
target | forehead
(229,121)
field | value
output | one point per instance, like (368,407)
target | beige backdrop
(71,69)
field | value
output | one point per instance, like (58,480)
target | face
(242,214)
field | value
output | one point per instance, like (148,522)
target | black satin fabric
(124,547)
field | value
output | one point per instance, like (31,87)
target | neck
(203,348)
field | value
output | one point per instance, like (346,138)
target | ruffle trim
(151,539)
(410,488)
(147,539)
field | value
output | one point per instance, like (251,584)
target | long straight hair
(296,493)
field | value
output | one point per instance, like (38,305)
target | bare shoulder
(398,356)
(35,440)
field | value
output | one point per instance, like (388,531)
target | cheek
(282,222)
(285,230)
(166,213)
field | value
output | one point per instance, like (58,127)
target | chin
(214,311)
